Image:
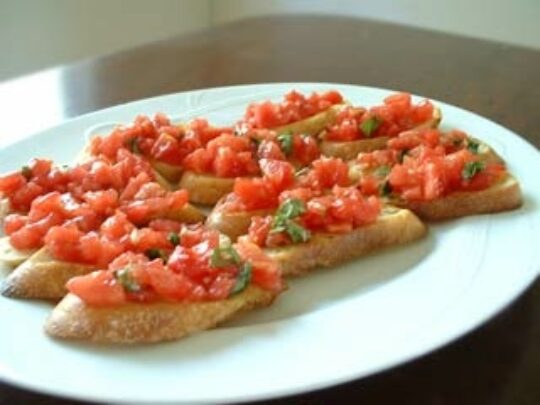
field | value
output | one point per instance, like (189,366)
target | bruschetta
(262,196)
(357,129)
(204,282)
(308,232)
(296,114)
(438,175)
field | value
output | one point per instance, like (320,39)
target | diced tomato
(255,193)
(99,288)
(279,173)
(269,149)
(265,271)
(328,172)
(294,107)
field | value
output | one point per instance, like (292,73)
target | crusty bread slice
(42,277)
(312,125)
(147,323)
(11,256)
(349,150)
(394,226)
(206,189)
(503,196)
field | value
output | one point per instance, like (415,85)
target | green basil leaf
(385,189)
(155,254)
(286,143)
(370,125)
(243,279)
(297,232)
(473,146)
(291,208)
(26,172)
(174,238)
(382,171)
(224,256)
(471,169)
(126,280)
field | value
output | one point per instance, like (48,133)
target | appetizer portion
(357,129)
(160,142)
(438,175)
(296,114)
(261,195)
(205,281)
(74,228)
(310,231)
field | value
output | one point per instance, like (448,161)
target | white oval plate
(328,328)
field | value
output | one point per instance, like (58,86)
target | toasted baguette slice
(503,196)
(147,323)
(394,226)
(349,150)
(206,189)
(42,276)
(312,125)
(11,256)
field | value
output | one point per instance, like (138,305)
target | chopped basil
(154,254)
(174,238)
(473,146)
(382,171)
(224,256)
(297,232)
(290,209)
(256,141)
(133,145)
(127,281)
(370,125)
(402,154)
(283,220)
(26,172)
(243,279)
(385,189)
(286,142)
(471,169)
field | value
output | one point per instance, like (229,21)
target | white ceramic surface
(328,328)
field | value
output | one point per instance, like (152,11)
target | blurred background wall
(35,34)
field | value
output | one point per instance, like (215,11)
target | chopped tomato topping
(395,115)
(199,269)
(326,173)
(294,107)
(341,211)
(225,156)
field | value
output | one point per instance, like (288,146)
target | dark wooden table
(497,364)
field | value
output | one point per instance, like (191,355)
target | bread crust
(11,256)
(168,172)
(147,323)
(312,125)
(503,196)
(393,227)
(206,189)
(42,277)
(350,150)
